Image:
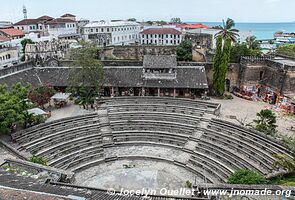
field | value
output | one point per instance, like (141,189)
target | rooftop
(12,32)
(68,15)
(159,61)
(27,22)
(4,39)
(60,21)
(111,24)
(161,31)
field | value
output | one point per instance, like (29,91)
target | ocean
(260,30)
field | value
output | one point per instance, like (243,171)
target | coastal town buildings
(112,33)
(160,36)
(9,55)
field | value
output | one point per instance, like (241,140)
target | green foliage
(188,184)
(41,95)
(239,50)
(266,122)
(87,75)
(175,20)
(184,51)
(224,39)
(285,162)
(24,43)
(131,20)
(286,180)
(162,22)
(38,160)
(12,106)
(287,50)
(248,177)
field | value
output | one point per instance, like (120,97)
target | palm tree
(252,43)
(227,31)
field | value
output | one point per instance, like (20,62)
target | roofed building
(12,33)
(160,36)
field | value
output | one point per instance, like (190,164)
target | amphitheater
(150,142)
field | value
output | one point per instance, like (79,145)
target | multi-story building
(112,33)
(9,55)
(160,36)
(63,27)
(12,33)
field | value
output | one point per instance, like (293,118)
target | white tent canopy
(61,96)
(36,111)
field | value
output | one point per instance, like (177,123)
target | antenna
(25,12)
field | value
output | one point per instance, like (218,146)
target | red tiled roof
(161,31)
(60,21)
(45,17)
(26,22)
(12,32)
(68,15)
(4,39)
(191,26)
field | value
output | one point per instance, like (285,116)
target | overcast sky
(187,10)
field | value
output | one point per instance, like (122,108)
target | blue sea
(260,30)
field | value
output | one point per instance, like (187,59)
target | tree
(131,19)
(247,177)
(86,75)
(239,50)
(224,38)
(252,43)
(41,95)
(266,122)
(38,160)
(175,20)
(24,43)
(287,50)
(184,51)
(12,106)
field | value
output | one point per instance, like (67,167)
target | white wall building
(62,27)
(112,33)
(9,54)
(160,36)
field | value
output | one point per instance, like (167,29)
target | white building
(112,33)
(9,54)
(62,28)
(160,36)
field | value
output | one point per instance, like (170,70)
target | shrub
(248,177)
(188,184)
(38,160)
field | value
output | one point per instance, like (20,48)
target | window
(91,30)
(101,29)
(97,30)
(108,30)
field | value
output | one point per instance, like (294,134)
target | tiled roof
(27,22)
(4,39)
(159,61)
(161,31)
(12,32)
(191,26)
(60,21)
(45,17)
(68,15)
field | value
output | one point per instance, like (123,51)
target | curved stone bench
(264,155)
(54,125)
(155,108)
(258,137)
(61,136)
(96,138)
(239,149)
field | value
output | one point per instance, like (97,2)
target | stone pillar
(174,92)
(159,91)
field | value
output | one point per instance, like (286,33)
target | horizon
(211,11)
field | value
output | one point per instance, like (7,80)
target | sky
(187,10)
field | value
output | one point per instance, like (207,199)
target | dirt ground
(242,110)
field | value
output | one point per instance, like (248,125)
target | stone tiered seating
(152,136)
(156,108)
(172,117)
(208,106)
(54,126)
(152,125)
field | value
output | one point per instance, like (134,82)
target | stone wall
(136,52)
